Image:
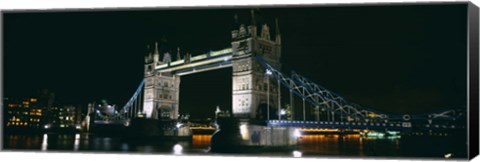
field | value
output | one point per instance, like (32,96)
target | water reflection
(76,145)
(297,153)
(308,145)
(177,149)
(201,141)
(44,142)
(125,147)
(350,144)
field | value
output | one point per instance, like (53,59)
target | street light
(268,93)
(283,112)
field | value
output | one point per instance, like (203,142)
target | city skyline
(397,61)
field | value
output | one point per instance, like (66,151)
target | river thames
(352,145)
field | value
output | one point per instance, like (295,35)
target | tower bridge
(256,85)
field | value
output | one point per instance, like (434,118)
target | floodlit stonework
(249,82)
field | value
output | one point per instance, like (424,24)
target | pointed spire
(235,17)
(277,29)
(278,37)
(253,17)
(148,49)
(178,53)
(148,58)
(156,48)
(156,55)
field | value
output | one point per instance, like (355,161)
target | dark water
(308,145)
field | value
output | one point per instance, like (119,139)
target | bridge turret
(178,54)
(252,28)
(156,55)
(149,65)
(148,57)
(278,38)
(167,58)
(265,32)
(250,83)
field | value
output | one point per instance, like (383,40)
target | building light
(33,100)
(25,102)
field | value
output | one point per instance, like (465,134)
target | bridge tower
(249,82)
(161,90)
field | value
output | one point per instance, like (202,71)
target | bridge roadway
(380,126)
(397,126)
(204,62)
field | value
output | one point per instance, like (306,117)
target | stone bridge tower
(161,91)
(249,96)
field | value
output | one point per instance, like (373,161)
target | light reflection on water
(44,142)
(308,145)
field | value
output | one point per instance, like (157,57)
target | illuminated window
(17,119)
(39,110)
(25,102)
(33,100)
(61,117)
(39,114)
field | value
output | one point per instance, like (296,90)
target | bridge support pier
(241,135)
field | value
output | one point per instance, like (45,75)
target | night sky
(398,59)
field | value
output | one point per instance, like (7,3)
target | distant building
(28,113)
(62,117)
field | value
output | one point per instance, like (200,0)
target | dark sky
(399,59)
